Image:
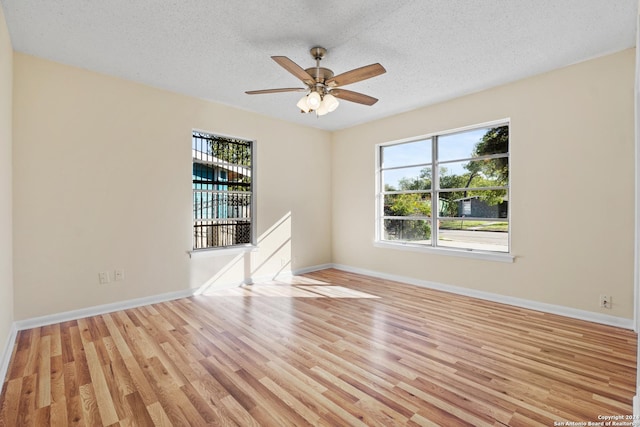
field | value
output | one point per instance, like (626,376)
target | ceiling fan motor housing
(320,74)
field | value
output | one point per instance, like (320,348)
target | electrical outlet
(103,277)
(605,301)
(118,275)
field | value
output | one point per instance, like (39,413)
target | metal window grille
(222,191)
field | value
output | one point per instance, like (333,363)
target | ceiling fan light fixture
(322,109)
(303,105)
(330,102)
(313,100)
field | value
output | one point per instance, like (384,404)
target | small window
(222,191)
(449,190)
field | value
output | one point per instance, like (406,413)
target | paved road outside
(483,240)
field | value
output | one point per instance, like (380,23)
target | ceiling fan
(322,86)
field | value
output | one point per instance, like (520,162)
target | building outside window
(447,190)
(223,202)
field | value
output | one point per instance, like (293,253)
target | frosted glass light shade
(322,109)
(313,100)
(302,104)
(331,102)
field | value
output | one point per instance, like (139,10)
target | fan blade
(284,89)
(349,95)
(356,75)
(294,69)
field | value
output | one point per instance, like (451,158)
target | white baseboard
(574,313)
(5,356)
(290,273)
(50,319)
(154,299)
(280,275)
(312,269)
(636,406)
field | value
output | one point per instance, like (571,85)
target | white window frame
(433,248)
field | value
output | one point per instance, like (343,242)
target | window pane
(471,217)
(474,204)
(415,178)
(474,143)
(222,191)
(473,234)
(416,231)
(215,233)
(414,204)
(475,173)
(410,153)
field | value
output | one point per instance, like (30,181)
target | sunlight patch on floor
(337,292)
(295,289)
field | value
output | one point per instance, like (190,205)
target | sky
(450,147)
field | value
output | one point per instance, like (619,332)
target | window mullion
(435,186)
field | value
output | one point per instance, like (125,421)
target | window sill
(214,252)
(462,253)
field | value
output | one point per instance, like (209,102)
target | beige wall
(572,198)
(101,181)
(6,257)
(102,171)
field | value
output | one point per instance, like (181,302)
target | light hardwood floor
(327,348)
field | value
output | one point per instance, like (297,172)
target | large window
(449,190)
(222,191)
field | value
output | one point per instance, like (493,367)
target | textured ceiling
(433,50)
